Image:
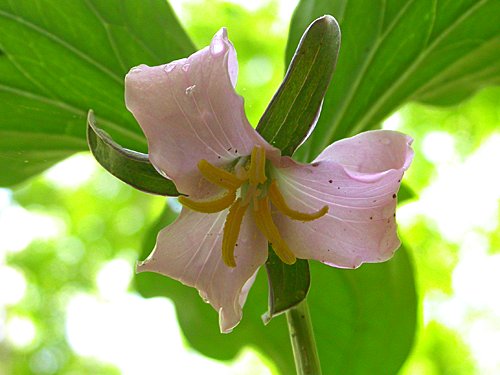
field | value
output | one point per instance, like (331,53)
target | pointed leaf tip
(296,106)
(129,166)
(328,22)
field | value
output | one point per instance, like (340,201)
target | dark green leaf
(129,166)
(364,320)
(295,107)
(24,154)
(288,284)
(397,51)
(60,58)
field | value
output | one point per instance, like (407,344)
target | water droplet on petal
(217,47)
(190,90)
(185,67)
(138,69)
(169,67)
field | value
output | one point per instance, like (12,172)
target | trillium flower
(239,193)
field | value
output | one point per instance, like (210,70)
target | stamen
(257,172)
(231,230)
(219,176)
(264,221)
(212,206)
(280,203)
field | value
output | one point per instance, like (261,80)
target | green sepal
(295,107)
(133,168)
(288,284)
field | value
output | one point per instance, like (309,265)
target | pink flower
(241,194)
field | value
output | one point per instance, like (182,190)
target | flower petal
(189,250)
(189,111)
(369,154)
(358,178)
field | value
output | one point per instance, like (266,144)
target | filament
(280,203)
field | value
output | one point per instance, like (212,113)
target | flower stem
(302,337)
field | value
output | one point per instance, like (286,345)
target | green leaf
(288,284)
(129,166)
(397,51)
(295,107)
(364,319)
(60,58)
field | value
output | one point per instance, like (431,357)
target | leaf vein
(62,43)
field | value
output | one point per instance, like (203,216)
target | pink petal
(358,178)
(189,111)
(189,250)
(368,154)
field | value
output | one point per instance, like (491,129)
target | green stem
(303,343)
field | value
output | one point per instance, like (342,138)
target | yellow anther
(231,232)
(257,171)
(280,203)
(219,176)
(264,221)
(211,206)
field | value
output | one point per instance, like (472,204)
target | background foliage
(51,72)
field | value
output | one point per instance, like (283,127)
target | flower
(239,193)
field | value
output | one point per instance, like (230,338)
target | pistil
(257,172)
(264,221)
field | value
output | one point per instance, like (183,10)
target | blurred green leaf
(441,351)
(398,51)
(101,220)
(60,58)
(406,193)
(129,166)
(295,107)
(364,319)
